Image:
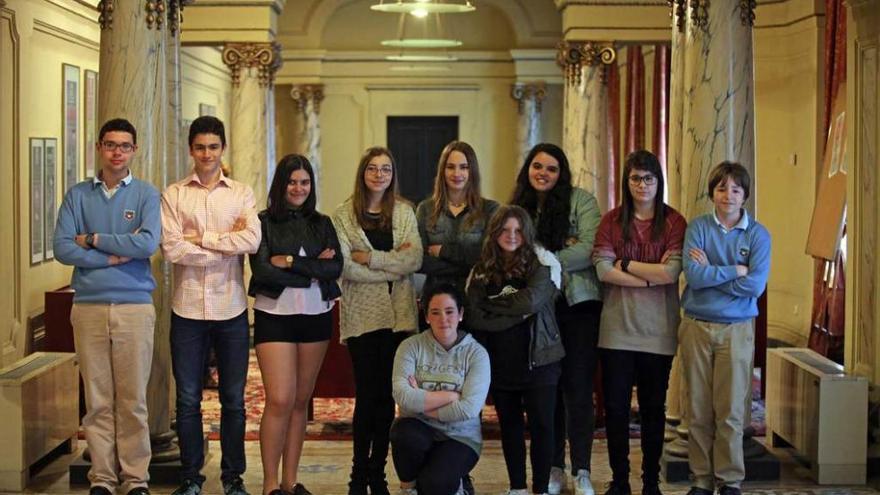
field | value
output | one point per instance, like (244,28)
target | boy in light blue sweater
(108,227)
(726,263)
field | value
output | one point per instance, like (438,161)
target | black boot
(357,485)
(377,482)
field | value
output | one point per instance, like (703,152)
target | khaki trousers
(114,345)
(716,361)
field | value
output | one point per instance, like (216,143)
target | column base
(761,464)
(164,466)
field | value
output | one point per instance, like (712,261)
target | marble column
(252,129)
(713,77)
(711,120)
(586,125)
(140,82)
(308,101)
(529,98)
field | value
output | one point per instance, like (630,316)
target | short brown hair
(735,171)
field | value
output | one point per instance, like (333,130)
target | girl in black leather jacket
(294,282)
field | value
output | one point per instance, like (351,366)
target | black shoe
(188,487)
(729,490)
(651,489)
(695,490)
(235,486)
(618,488)
(99,490)
(467,485)
(300,489)
(279,491)
(139,490)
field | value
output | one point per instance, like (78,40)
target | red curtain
(660,102)
(829,282)
(635,99)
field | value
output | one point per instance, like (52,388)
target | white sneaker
(557,481)
(408,491)
(518,491)
(582,485)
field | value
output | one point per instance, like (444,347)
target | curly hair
(496,265)
(552,223)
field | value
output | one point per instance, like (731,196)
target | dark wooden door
(416,143)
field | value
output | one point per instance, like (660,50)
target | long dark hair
(360,198)
(472,189)
(647,162)
(493,264)
(276,202)
(552,222)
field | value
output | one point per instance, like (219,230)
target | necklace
(457,205)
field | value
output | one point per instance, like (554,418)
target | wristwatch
(289,260)
(624,265)
(90,240)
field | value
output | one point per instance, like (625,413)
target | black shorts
(296,329)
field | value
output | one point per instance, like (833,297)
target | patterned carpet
(332,417)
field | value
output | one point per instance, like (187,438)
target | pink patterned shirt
(208,279)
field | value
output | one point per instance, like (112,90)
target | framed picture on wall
(50,157)
(37,205)
(90,122)
(70,124)
(205,109)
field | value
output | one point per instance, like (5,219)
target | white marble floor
(325,468)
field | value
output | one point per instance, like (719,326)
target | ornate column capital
(573,55)
(266,57)
(302,93)
(522,92)
(699,12)
(105,14)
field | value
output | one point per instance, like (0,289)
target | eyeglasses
(111,146)
(649,179)
(374,170)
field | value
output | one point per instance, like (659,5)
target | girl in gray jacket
(440,381)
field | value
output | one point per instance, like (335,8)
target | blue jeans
(191,341)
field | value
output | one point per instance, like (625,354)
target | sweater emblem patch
(744,251)
(128,215)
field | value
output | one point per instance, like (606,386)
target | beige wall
(788,113)
(205,80)
(41,35)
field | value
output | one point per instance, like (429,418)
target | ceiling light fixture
(421,8)
(421,58)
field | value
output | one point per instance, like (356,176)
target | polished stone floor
(325,466)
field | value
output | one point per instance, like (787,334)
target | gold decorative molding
(302,93)
(747,11)
(522,92)
(155,13)
(700,13)
(678,12)
(105,16)
(266,57)
(573,55)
